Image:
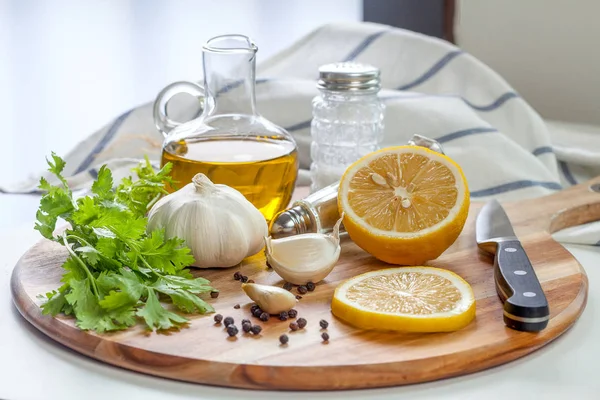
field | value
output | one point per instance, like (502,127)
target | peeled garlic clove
(304,258)
(270,299)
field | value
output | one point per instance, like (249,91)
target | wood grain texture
(203,353)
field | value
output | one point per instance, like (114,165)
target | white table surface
(35,367)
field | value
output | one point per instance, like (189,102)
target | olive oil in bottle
(264,170)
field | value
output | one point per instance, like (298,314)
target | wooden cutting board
(203,353)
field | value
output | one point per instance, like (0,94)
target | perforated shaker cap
(349,76)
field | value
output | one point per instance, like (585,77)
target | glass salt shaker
(347,120)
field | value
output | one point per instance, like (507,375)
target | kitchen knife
(525,304)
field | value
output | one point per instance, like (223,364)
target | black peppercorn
(253,307)
(214,295)
(283,316)
(257,312)
(246,321)
(237,275)
(324,324)
(237,306)
(256,329)
(302,289)
(298,297)
(301,323)
(310,286)
(325,336)
(283,339)
(244,278)
(246,327)
(228,321)
(288,286)
(218,318)
(264,317)
(292,313)
(294,326)
(232,330)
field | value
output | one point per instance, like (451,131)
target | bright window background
(67,67)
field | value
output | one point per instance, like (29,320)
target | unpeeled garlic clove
(270,299)
(309,257)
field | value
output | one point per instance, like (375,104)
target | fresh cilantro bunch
(116,273)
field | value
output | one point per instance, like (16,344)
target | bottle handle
(161,118)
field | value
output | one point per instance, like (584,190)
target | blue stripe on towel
(433,70)
(364,45)
(32,192)
(108,136)
(542,150)
(567,172)
(466,132)
(508,187)
(489,107)
(497,103)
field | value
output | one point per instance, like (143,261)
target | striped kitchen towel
(429,86)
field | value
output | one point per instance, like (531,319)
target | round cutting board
(203,353)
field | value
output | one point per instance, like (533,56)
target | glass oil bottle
(230,142)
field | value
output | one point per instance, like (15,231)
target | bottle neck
(229,79)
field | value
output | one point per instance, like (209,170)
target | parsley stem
(150,267)
(85,242)
(153,201)
(82,240)
(82,264)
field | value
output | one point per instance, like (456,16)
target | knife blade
(525,304)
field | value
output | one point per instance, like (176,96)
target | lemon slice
(410,299)
(404,205)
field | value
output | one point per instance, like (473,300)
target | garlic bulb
(216,222)
(308,257)
(270,299)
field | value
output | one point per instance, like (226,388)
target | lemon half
(410,299)
(404,205)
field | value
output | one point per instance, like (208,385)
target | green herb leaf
(184,299)
(129,287)
(88,253)
(74,271)
(168,256)
(87,211)
(56,203)
(192,285)
(156,316)
(55,304)
(102,187)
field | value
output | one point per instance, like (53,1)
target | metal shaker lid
(349,76)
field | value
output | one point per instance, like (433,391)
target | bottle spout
(423,141)
(293,221)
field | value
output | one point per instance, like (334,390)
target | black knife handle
(525,304)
